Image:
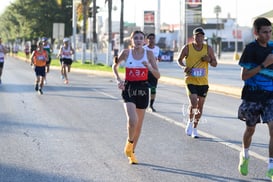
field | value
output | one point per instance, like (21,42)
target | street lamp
(109,55)
(74,25)
(84,11)
(121,24)
(93,14)
(217,10)
(236,55)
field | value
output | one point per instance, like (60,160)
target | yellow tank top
(199,72)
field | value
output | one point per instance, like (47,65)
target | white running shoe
(194,133)
(188,128)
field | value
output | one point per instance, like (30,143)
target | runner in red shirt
(135,91)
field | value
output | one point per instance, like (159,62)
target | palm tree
(217,10)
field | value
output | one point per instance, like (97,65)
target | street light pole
(185,23)
(158,17)
(95,41)
(74,24)
(236,55)
(217,10)
(84,3)
(109,55)
(181,37)
(121,25)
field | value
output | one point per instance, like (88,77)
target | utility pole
(109,54)
(217,10)
(84,4)
(74,28)
(181,37)
(158,17)
(236,56)
(121,25)
(95,40)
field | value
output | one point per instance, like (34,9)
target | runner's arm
(212,61)
(248,73)
(121,57)
(182,55)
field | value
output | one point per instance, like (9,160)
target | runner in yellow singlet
(198,56)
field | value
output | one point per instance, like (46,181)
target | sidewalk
(227,58)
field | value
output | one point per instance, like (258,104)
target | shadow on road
(200,175)
(20,174)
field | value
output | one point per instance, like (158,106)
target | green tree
(28,19)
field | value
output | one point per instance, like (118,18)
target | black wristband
(262,66)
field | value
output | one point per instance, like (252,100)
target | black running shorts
(137,93)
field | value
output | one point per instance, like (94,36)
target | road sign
(58,31)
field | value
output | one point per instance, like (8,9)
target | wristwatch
(262,66)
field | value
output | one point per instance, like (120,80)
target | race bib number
(136,74)
(198,72)
(40,58)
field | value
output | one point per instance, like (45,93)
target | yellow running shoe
(132,159)
(269,173)
(128,150)
(243,165)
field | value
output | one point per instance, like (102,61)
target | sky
(133,9)
(246,9)
(4,4)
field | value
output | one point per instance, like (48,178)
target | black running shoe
(40,91)
(152,108)
(36,87)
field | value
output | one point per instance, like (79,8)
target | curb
(216,88)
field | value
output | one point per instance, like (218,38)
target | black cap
(198,30)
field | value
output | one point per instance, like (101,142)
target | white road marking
(205,134)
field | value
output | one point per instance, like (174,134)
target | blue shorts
(252,112)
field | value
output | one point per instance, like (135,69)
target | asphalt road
(77,132)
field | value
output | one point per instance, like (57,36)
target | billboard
(149,18)
(193,12)
(193,17)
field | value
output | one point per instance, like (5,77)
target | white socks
(245,153)
(270,163)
